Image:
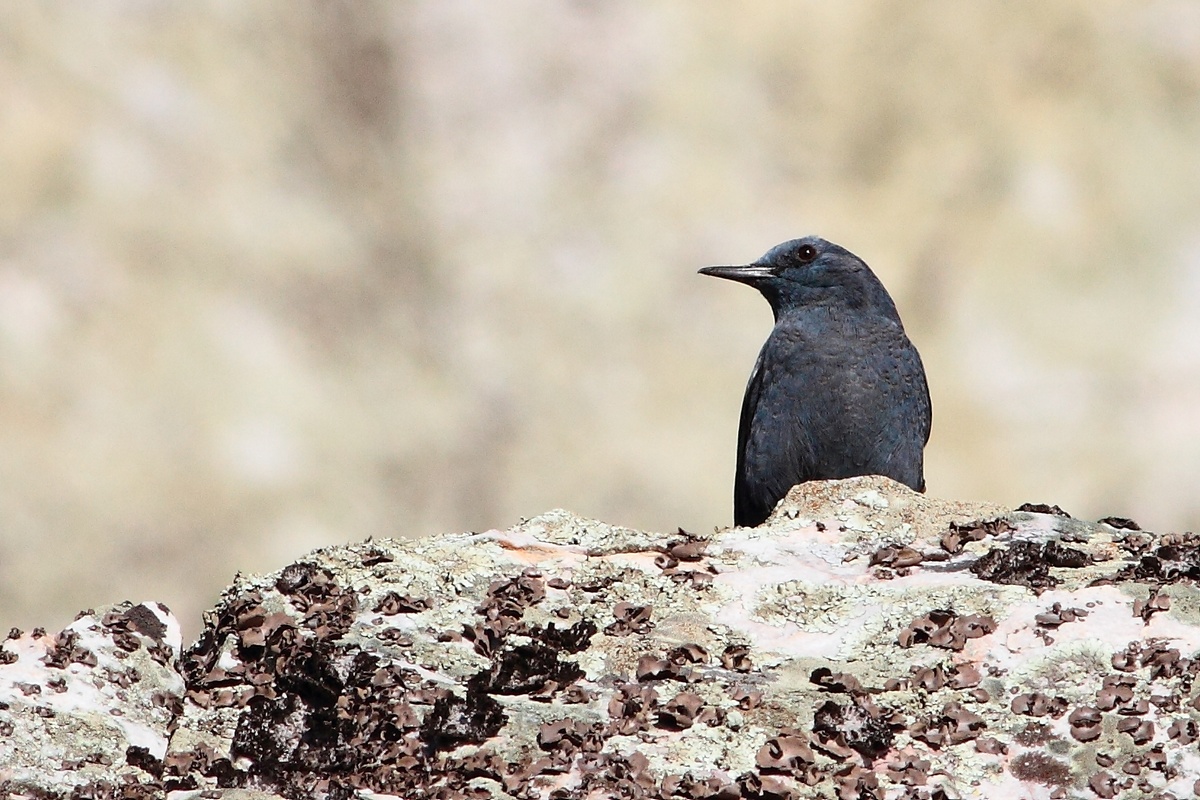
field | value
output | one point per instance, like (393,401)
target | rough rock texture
(868,642)
(90,707)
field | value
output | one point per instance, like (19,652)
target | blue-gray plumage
(838,389)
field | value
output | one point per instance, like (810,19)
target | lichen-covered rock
(88,709)
(868,642)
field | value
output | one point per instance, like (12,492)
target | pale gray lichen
(1185,601)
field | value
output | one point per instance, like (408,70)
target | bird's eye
(806,253)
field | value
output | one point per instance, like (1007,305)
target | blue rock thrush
(838,389)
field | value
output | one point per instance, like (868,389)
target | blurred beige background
(278,275)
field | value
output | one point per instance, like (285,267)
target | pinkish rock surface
(868,642)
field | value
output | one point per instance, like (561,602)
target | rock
(868,642)
(90,707)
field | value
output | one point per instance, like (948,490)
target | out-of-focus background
(278,275)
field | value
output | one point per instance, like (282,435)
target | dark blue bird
(838,389)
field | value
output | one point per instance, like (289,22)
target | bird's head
(812,272)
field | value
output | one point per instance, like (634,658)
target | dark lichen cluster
(319,717)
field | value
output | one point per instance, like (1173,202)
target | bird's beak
(750,273)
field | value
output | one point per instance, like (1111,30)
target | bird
(838,390)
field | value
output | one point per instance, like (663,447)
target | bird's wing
(928,400)
(911,411)
(746,507)
(926,413)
